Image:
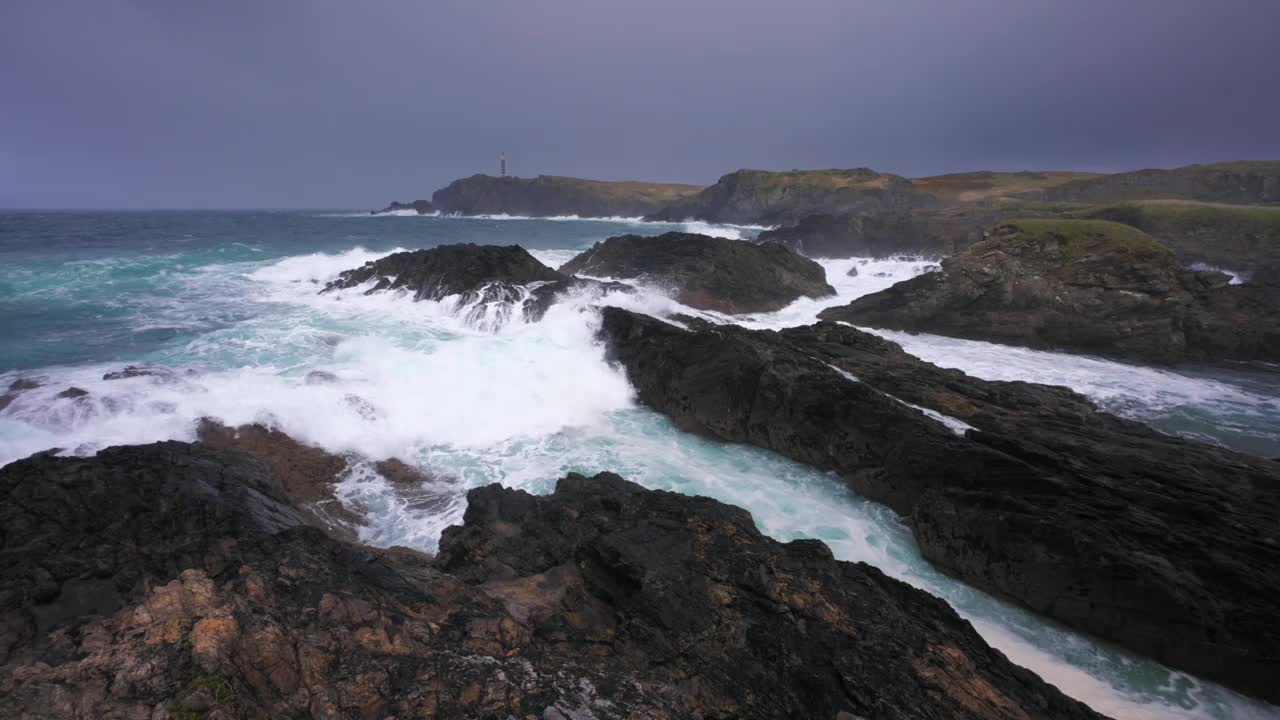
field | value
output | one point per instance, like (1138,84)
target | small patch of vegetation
(216,688)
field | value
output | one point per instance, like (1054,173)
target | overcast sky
(321,103)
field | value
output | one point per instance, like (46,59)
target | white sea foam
(523,403)
(1237,277)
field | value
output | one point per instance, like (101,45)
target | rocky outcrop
(447,270)
(491,282)
(1245,183)
(1243,239)
(421,207)
(705,272)
(927,232)
(16,388)
(1083,286)
(774,198)
(550,195)
(175,581)
(307,475)
(1163,545)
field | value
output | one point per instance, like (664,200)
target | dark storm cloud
(325,103)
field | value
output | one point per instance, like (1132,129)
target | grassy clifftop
(994,186)
(771,198)
(1237,183)
(556,195)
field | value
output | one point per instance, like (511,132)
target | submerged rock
(320,377)
(1083,286)
(16,388)
(179,577)
(72,393)
(159,372)
(706,272)
(1166,546)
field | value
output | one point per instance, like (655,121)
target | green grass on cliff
(1260,167)
(993,186)
(1176,218)
(1076,238)
(623,189)
(832,179)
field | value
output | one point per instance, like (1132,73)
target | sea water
(229,301)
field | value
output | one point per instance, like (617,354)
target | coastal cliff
(551,195)
(758,197)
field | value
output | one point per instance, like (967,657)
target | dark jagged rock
(307,475)
(772,198)
(1230,182)
(493,280)
(174,581)
(706,272)
(160,373)
(16,388)
(448,270)
(549,195)
(1166,546)
(1080,285)
(72,393)
(422,207)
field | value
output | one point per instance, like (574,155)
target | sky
(345,104)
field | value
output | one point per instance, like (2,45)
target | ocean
(228,301)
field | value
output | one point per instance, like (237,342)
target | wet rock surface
(709,273)
(1084,286)
(492,280)
(1166,546)
(176,580)
(307,475)
(447,270)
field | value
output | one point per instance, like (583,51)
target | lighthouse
(502,164)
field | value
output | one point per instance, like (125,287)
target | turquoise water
(228,300)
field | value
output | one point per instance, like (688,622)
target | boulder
(179,577)
(1166,546)
(1083,286)
(709,273)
